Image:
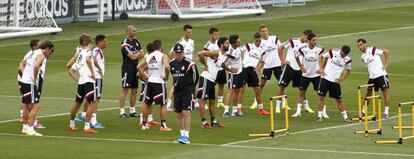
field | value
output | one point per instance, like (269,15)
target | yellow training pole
(412,118)
(373,104)
(359,105)
(286,116)
(379,115)
(366,118)
(272,126)
(400,130)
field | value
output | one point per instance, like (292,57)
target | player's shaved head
(264,32)
(130,27)
(131,31)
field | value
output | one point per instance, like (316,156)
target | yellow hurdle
(366,130)
(401,127)
(360,117)
(272,120)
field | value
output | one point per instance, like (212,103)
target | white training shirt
(234,59)
(293,46)
(100,59)
(214,66)
(27,76)
(271,57)
(155,67)
(336,64)
(189,47)
(82,67)
(309,58)
(252,56)
(372,60)
(19,78)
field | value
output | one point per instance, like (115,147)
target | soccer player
(34,45)
(291,70)
(86,86)
(185,78)
(29,90)
(371,56)
(270,61)
(131,50)
(252,57)
(234,60)
(99,63)
(331,66)
(206,90)
(150,120)
(189,48)
(71,62)
(156,65)
(307,59)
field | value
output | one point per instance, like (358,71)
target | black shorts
(40,85)
(141,94)
(289,74)
(155,92)
(182,101)
(30,94)
(250,77)
(221,77)
(206,89)
(99,84)
(379,82)
(86,91)
(129,77)
(235,81)
(305,81)
(333,88)
(267,73)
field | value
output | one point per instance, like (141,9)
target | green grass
(122,139)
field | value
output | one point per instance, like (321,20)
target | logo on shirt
(152,60)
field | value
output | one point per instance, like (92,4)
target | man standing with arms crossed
(131,50)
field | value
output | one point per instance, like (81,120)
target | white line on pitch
(60,98)
(222,146)
(302,132)
(224,22)
(54,115)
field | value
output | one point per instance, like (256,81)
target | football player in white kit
(86,86)
(28,89)
(34,45)
(236,80)
(270,61)
(189,47)
(307,59)
(371,56)
(331,65)
(291,70)
(72,61)
(99,62)
(252,58)
(154,71)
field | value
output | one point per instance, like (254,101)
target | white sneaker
(297,114)
(144,127)
(33,133)
(325,115)
(24,131)
(206,107)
